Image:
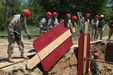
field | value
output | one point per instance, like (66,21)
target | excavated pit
(67,65)
(109,52)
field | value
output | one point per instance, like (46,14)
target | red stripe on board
(80,55)
(49,37)
(88,53)
(52,58)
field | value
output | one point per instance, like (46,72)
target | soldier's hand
(29,37)
(12,35)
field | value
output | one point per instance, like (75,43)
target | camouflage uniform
(54,22)
(100,26)
(111,29)
(74,26)
(86,19)
(94,24)
(14,34)
(68,25)
(45,24)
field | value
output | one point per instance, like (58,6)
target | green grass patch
(34,31)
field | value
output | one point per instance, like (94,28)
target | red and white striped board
(51,46)
(83,52)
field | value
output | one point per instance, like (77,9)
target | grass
(34,31)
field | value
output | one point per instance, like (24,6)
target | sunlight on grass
(34,31)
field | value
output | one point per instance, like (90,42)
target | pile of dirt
(67,65)
(105,50)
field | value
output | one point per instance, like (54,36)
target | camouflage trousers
(11,40)
(42,31)
(94,33)
(100,33)
(110,33)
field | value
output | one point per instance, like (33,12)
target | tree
(2,27)
(37,11)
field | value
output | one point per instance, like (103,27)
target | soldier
(100,26)
(74,24)
(45,23)
(94,24)
(14,33)
(87,19)
(94,66)
(54,20)
(111,29)
(67,22)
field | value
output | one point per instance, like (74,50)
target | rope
(96,60)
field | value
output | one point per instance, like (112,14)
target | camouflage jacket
(17,24)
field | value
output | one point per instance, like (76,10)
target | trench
(104,48)
(109,52)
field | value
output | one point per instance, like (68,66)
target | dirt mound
(105,50)
(67,65)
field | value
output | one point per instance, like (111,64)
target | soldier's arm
(70,26)
(41,23)
(25,28)
(11,26)
(56,22)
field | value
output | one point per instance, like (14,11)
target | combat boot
(10,58)
(23,56)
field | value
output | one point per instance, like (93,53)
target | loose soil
(67,65)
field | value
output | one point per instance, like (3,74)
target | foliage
(1,17)
(39,7)
(37,11)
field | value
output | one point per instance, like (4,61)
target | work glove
(29,37)
(12,35)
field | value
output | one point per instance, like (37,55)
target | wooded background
(8,8)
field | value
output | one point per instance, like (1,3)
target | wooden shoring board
(48,49)
(86,49)
(26,54)
(6,63)
(92,42)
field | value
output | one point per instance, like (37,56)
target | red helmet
(97,16)
(26,12)
(49,14)
(96,54)
(74,18)
(87,14)
(68,15)
(55,13)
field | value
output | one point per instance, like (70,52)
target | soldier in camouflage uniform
(67,22)
(14,33)
(87,19)
(94,24)
(100,26)
(45,23)
(54,20)
(74,24)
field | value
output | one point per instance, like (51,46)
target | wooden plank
(48,49)
(91,42)
(95,41)
(3,55)
(6,63)
(86,49)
